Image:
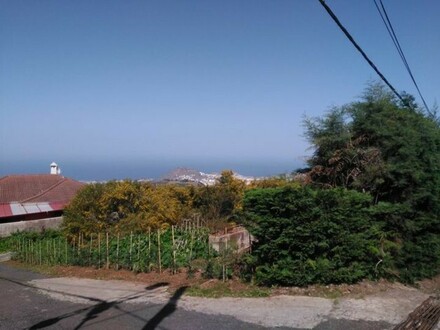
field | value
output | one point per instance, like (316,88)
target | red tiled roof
(38,188)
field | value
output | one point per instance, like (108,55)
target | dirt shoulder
(378,303)
(235,288)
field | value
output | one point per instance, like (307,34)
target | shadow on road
(102,306)
(155,286)
(167,310)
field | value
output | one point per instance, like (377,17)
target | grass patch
(224,289)
(331,294)
(5,244)
(41,269)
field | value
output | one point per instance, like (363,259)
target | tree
(220,202)
(376,145)
(85,213)
(126,205)
(392,151)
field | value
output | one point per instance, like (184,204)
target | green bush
(391,150)
(5,245)
(306,236)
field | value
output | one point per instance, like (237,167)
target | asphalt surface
(24,307)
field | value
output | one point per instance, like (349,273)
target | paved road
(24,307)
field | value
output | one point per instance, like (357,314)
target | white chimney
(54,169)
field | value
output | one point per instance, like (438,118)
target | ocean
(146,169)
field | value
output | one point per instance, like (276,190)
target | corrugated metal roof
(12,209)
(44,207)
(17,209)
(31,208)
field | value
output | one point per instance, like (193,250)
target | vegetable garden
(172,248)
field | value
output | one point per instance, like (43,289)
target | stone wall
(6,229)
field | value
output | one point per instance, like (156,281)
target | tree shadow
(93,311)
(156,285)
(105,305)
(167,310)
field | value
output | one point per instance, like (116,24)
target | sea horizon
(149,169)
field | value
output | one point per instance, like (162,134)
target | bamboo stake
(73,247)
(32,251)
(225,253)
(39,248)
(51,251)
(65,250)
(139,250)
(79,243)
(149,249)
(192,243)
(99,250)
(82,244)
(131,249)
(209,248)
(108,259)
(174,250)
(35,255)
(90,249)
(54,252)
(158,248)
(47,253)
(59,251)
(117,253)
(19,248)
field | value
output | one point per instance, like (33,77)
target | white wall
(6,229)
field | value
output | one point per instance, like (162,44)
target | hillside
(191,175)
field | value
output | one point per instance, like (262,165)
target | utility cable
(386,20)
(348,35)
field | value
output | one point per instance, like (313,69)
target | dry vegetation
(213,288)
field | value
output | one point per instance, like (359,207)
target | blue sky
(191,83)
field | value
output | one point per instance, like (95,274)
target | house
(35,196)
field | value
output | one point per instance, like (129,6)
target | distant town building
(35,196)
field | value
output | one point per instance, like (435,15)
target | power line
(392,33)
(348,35)
(402,56)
